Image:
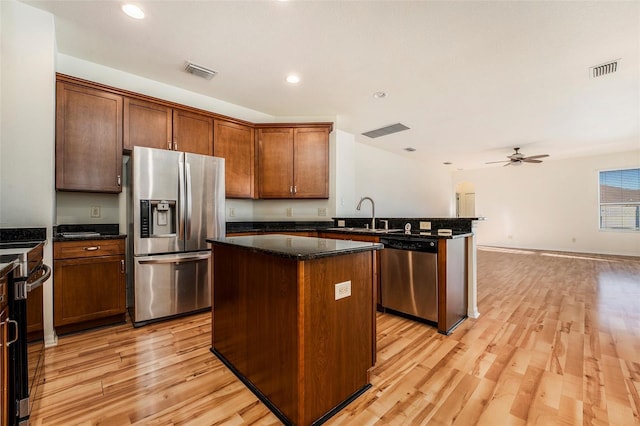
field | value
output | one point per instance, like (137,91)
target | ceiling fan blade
(494,162)
(529,160)
(533,157)
(508,164)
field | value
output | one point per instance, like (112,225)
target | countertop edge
(59,238)
(365,246)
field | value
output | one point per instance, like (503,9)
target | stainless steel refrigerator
(177,200)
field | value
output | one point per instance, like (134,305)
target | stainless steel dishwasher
(409,277)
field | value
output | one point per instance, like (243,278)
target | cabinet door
(88,139)
(88,289)
(311,163)
(235,143)
(147,124)
(192,132)
(275,158)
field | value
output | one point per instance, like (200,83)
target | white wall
(553,205)
(75,208)
(400,185)
(27,117)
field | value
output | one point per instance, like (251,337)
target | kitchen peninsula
(294,319)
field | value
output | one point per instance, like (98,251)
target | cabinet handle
(168,144)
(175,146)
(122,266)
(295,189)
(119,180)
(291,189)
(92,248)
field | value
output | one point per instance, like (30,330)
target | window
(620,200)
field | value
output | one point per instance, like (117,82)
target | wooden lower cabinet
(89,284)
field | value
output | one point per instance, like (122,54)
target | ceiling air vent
(604,69)
(200,71)
(383,131)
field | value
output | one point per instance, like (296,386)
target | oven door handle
(37,283)
(15,339)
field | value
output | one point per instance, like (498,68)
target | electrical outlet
(322,211)
(341,223)
(425,226)
(95,211)
(232,212)
(343,290)
(289,212)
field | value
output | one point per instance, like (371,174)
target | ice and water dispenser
(157,218)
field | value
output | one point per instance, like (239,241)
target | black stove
(26,352)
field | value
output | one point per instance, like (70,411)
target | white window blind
(620,199)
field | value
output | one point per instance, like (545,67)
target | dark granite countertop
(83,232)
(275,226)
(298,248)
(401,234)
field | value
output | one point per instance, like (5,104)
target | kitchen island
(294,319)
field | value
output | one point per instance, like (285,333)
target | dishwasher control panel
(423,244)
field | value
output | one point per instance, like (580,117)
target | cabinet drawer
(87,248)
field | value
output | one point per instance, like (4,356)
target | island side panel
(338,334)
(254,321)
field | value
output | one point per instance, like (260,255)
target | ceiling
(471,80)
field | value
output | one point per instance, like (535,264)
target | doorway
(465,200)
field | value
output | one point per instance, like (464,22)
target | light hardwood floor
(557,342)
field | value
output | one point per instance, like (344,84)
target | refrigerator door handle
(181,197)
(159,260)
(189,201)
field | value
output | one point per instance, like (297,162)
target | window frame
(600,203)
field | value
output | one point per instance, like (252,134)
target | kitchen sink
(366,230)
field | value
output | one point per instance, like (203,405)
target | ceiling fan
(518,158)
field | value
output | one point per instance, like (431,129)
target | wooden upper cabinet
(88,139)
(275,159)
(192,132)
(147,124)
(311,162)
(294,162)
(235,143)
(154,125)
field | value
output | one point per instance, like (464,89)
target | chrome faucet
(373,210)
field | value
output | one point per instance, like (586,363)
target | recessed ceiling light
(447,163)
(293,79)
(133,11)
(410,149)
(380,95)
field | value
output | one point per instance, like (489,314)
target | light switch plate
(425,226)
(343,290)
(341,223)
(95,211)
